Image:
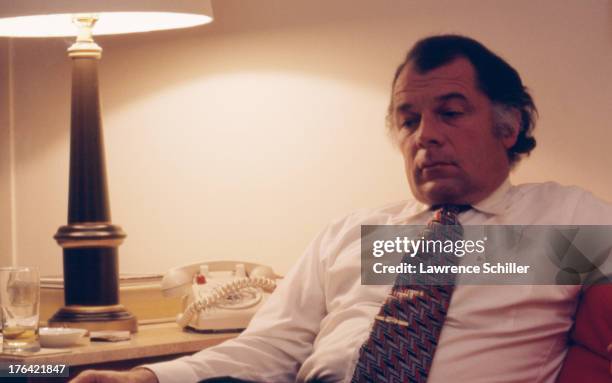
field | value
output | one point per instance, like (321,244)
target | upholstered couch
(588,358)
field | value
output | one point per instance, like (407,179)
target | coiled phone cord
(221,292)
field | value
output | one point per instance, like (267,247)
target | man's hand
(137,375)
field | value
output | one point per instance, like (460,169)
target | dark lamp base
(95,318)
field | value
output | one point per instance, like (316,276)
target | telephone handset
(219,296)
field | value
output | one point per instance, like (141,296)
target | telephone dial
(219,296)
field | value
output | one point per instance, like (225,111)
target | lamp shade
(46,18)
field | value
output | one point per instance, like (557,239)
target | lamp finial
(85,45)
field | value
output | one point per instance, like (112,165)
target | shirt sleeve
(596,247)
(278,339)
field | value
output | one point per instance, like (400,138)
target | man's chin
(441,191)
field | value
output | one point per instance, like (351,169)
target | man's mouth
(433,165)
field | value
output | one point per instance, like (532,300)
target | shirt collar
(497,201)
(494,204)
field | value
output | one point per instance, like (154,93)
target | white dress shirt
(320,315)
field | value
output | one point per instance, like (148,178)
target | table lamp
(89,240)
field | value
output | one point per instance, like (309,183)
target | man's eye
(411,123)
(451,113)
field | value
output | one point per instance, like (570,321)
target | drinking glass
(19,301)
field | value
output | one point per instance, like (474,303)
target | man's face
(444,127)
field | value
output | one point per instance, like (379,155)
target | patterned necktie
(404,337)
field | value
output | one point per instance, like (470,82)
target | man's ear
(509,127)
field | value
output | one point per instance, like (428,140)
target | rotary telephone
(219,296)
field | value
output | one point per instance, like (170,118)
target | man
(462,119)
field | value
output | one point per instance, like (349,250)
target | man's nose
(429,132)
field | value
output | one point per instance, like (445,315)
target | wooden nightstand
(152,343)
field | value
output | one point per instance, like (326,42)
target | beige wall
(241,139)
(5,163)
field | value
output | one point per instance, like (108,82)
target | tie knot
(447,214)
